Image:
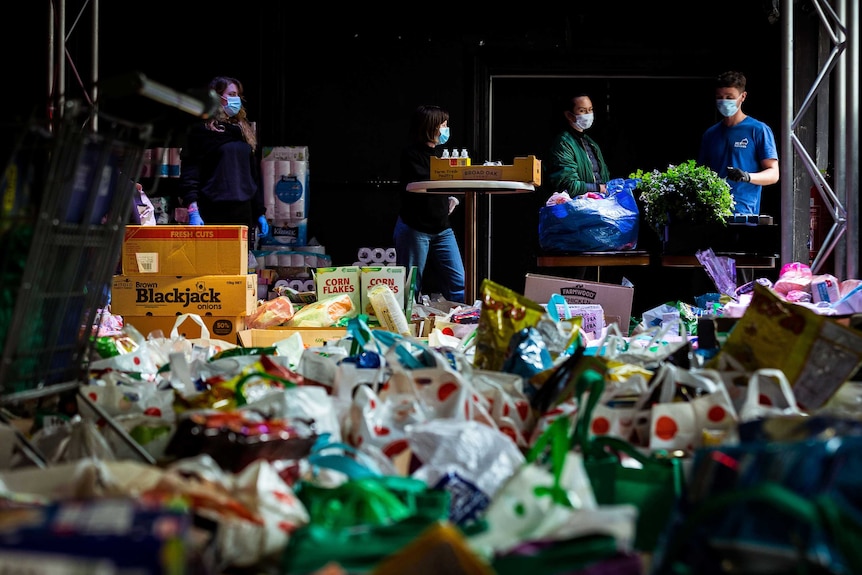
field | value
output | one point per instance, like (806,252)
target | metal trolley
(67,197)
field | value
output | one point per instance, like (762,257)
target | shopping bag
(682,409)
(589,224)
(549,499)
(768,394)
(361,522)
(766,528)
(621,473)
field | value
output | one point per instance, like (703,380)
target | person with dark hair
(739,147)
(423,235)
(575,163)
(220,178)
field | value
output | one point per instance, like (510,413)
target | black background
(344,84)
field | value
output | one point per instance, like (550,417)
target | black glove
(737,175)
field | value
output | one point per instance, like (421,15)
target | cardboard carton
(167,250)
(311,336)
(527,169)
(223,295)
(393,276)
(616,300)
(220,327)
(339,280)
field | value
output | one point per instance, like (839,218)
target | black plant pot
(687,238)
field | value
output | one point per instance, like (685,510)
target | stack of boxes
(168,271)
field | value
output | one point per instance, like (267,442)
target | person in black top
(423,235)
(220,181)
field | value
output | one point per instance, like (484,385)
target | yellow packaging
(221,295)
(525,169)
(219,326)
(167,250)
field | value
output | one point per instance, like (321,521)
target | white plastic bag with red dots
(684,409)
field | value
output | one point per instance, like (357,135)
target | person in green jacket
(574,163)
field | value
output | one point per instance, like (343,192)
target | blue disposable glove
(738,175)
(194,215)
(264,225)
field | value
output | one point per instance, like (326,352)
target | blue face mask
(233,106)
(727,108)
(444,136)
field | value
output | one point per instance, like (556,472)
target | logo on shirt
(743,143)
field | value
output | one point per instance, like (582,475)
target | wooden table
(594,259)
(471,190)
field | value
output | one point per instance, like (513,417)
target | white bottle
(445,155)
(465,157)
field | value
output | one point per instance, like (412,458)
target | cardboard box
(616,300)
(222,295)
(185,250)
(338,280)
(393,276)
(220,327)
(592,316)
(311,336)
(528,169)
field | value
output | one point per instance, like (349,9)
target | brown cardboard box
(223,295)
(528,170)
(167,250)
(616,300)
(220,327)
(311,336)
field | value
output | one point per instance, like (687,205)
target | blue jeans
(434,255)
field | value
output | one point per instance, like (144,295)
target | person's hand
(737,175)
(453,203)
(194,215)
(264,225)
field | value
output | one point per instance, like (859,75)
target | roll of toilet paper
(390,255)
(308,285)
(297,260)
(364,255)
(281,283)
(287,188)
(285,260)
(378,255)
(298,285)
(271,260)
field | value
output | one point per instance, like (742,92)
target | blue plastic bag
(588,224)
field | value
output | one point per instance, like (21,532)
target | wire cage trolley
(67,197)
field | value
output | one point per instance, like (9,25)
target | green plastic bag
(655,488)
(362,521)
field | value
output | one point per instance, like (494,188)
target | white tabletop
(492,186)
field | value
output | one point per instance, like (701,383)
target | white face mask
(583,121)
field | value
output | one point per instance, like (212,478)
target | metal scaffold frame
(839,76)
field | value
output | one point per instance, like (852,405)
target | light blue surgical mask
(444,135)
(233,106)
(727,108)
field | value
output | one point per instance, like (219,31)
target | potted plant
(691,199)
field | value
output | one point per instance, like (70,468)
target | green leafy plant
(684,192)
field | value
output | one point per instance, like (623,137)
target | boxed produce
(168,250)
